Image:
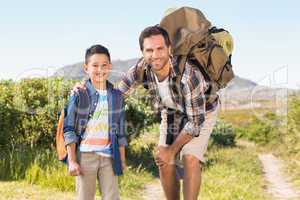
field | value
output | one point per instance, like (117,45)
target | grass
(233,173)
(241,117)
(15,190)
(282,139)
(46,172)
(230,173)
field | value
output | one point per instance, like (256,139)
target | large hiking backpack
(196,42)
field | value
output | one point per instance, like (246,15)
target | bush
(139,113)
(223,134)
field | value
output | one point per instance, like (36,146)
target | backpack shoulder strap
(141,72)
(83,110)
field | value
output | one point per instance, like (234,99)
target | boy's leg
(86,183)
(169,182)
(108,181)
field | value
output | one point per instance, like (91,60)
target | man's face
(156,52)
(98,68)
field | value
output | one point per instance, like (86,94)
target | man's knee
(192,161)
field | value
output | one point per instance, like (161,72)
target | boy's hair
(96,49)
(153,30)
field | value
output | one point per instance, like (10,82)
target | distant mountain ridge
(75,71)
(239,93)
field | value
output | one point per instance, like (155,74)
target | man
(184,112)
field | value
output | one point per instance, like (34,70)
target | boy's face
(98,68)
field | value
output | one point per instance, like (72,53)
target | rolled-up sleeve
(129,81)
(194,99)
(70,135)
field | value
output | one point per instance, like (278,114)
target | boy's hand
(77,87)
(124,165)
(74,169)
(123,159)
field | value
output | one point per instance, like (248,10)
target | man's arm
(194,98)
(129,82)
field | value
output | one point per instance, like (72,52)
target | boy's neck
(99,85)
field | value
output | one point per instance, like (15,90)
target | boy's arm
(123,158)
(121,136)
(70,120)
(70,136)
(74,167)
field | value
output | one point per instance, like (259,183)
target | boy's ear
(84,67)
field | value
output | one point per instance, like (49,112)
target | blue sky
(38,37)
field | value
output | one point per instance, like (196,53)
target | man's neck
(163,73)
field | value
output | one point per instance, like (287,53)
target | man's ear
(170,50)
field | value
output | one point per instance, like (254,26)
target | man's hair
(153,30)
(96,49)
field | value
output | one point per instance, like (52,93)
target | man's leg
(169,182)
(192,177)
(193,157)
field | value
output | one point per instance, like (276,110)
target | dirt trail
(279,186)
(153,191)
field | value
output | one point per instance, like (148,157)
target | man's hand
(164,155)
(77,87)
(74,169)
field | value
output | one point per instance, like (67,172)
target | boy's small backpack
(81,113)
(59,138)
(195,42)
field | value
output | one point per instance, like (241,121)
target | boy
(91,131)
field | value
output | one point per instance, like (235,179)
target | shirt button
(95,104)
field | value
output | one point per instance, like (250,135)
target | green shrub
(223,134)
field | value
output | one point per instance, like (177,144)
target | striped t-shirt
(96,137)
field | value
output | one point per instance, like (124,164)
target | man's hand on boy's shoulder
(77,87)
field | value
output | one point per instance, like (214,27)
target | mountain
(75,71)
(240,92)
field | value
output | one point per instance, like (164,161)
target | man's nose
(155,54)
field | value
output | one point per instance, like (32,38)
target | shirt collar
(91,89)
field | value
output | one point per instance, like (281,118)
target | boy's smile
(98,68)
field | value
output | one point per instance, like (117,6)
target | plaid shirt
(189,96)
